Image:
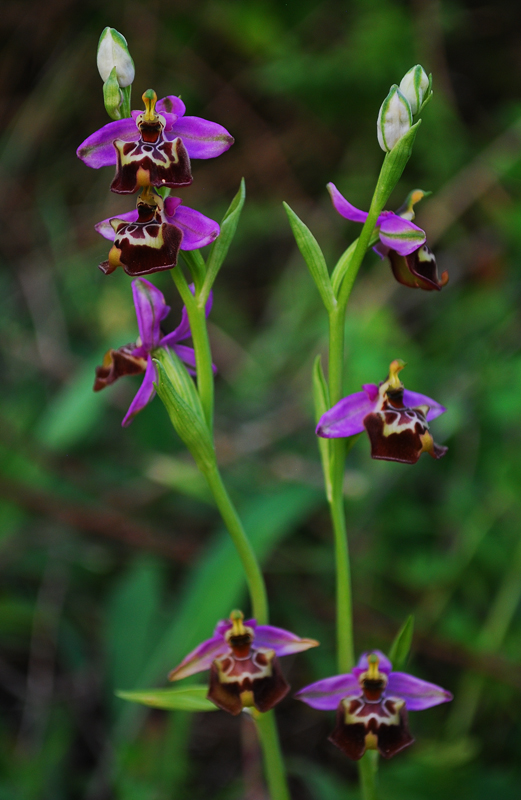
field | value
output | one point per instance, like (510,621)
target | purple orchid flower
(154,147)
(148,238)
(395,419)
(403,243)
(243,661)
(372,704)
(134,359)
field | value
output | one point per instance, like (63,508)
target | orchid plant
(151,151)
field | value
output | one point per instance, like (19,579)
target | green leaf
(313,256)
(112,96)
(222,244)
(197,266)
(189,698)
(344,262)
(393,166)
(399,652)
(321,398)
(186,419)
(73,412)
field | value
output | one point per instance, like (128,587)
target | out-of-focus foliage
(112,558)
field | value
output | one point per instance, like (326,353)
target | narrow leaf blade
(190,698)
(313,256)
(222,244)
(400,648)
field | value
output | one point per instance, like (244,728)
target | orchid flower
(154,147)
(401,241)
(148,238)
(134,359)
(395,419)
(372,704)
(243,661)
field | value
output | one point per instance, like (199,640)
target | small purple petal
(381,250)
(186,354)
(105,228)
(327,693)
(371,390)
(399,234)
(201,658)
(346,417)
(151,309)
(283,642)
(171,105)
(225,624)
(202,138)
(415,399)
(171,205)
(198,230)
(417,694)
(384,665)
(98,149)
(144,395)
(344,208)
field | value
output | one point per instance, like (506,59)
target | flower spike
(372,703)
(243,661)
(395,419)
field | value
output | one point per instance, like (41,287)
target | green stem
(344,613)
(274,765)
(203,355)
(125,102)
(367,768)
(242,544)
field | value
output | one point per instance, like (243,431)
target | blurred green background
(112,557)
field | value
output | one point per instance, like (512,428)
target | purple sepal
(198,230)
(202,138)
(417,694)
(327,693)
(399,234)
(346,417)
(283,642)
(98,149)
(145,393)
(415,399)
(151,309)
(201,658)
(344,207)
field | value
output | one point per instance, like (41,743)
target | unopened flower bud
(414,86)
(113,53)
(394,119)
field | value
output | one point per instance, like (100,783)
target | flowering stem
(203,355)
(344,615)
(195,306)
(275,772)
(242,544)
(367,768)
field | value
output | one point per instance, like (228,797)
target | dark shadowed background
(113,560)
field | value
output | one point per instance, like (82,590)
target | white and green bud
(394,119)
(113,54)
(415,85)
